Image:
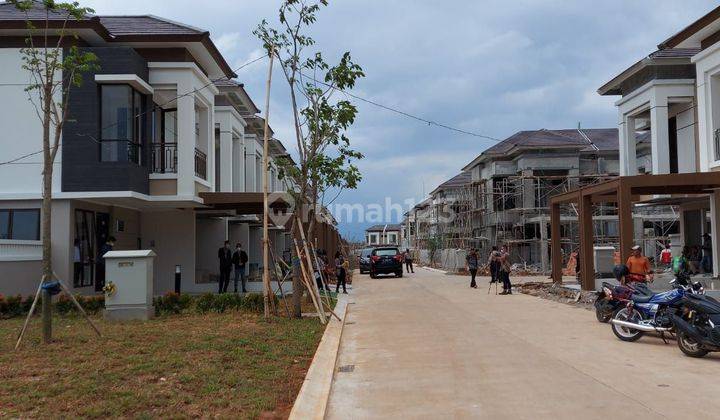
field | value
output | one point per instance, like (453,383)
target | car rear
(364,260)
(386,260)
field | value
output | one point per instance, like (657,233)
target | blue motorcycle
(654,312)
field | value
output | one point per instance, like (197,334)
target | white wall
(21,130)
(171,234)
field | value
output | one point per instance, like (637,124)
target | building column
(715,230)
(587,263)
(556,248)
(659,135)
(625,221)
(186,144)
(543,246)
(225,183)
(628,147)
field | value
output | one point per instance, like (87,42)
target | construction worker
(638,266)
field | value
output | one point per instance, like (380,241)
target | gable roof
(386,227)
(669,56)
(581,140)
(695,32)
(459,180)
(141,28)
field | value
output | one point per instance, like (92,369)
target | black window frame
(138,129)
(11,213)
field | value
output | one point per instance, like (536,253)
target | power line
(152,109)
(403,113)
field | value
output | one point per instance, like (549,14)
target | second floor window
(122,124)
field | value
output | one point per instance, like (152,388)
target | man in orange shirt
(638,266)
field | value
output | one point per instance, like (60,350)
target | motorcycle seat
(641,298)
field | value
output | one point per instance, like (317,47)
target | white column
(628,157)
(226,157)
(186,143)
(250,146)
(659,136)
(715,229)
(704,123)
(238,166)
(686,140)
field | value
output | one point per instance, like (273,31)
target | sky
(487,67)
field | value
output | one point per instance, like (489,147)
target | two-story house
(387,234)
(672,97)
(162,150)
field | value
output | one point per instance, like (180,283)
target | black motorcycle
(613,297)
(698,326)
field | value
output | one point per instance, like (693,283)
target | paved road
(428,346)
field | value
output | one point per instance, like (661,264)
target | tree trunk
(46,215)
(296,280)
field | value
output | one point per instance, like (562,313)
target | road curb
(434,269)
(311,402)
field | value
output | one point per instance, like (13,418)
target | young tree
(325,156)
(54,64)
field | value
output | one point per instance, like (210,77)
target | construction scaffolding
(513,210)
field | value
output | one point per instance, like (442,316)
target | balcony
(163,158)
(200,164)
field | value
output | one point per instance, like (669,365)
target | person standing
(407,256)
(638,266)
(471,264)
(100,264)
(78,272)
(666,256)
(341,273)
(239,259)
(706,263)
(225,260)
(494,264)
(505,271)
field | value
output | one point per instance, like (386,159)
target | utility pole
(266,208)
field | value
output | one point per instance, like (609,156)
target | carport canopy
(624,191)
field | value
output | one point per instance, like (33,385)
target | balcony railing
(163,159)
(716,141)
(200,164)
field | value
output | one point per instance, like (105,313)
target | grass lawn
(214,365)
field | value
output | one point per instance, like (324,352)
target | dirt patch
(559,293)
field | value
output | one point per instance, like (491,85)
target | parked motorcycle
(652,313)
(698,325)
(612,297)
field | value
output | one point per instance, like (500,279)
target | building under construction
(502,198)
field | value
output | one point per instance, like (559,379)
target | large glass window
(20,224)
(122,123)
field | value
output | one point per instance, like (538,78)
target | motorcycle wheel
(601,315)
(623,333)
(689,345)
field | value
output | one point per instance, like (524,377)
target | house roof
(582,140)
(141,28)
(380,228)
(459,180)
(693,34)
(669,56)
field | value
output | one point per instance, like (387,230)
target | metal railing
(716,143)
(200,164)
(163,158)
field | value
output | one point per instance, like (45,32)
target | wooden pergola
(625,191)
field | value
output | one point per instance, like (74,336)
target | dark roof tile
(146,25)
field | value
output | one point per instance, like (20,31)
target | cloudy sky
(490,67)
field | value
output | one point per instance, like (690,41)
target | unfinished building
(502,198)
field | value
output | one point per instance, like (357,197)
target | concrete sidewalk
(428,346)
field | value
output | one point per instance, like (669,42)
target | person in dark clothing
(100,263)
(239,260)
(407,256)
(341,272)
(505,271)
(471,263)
(225,259)
(706,262)
(494,264)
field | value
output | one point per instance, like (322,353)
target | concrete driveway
(428,346)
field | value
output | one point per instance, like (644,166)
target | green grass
(226,365)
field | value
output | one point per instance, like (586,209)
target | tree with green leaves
(321,119)
(54,64)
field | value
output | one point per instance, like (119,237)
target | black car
(386,260)
(364,260)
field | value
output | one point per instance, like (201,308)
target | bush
(11,306)
(254,302)
(171,303)
(64,305)
(205,303)
(91,304)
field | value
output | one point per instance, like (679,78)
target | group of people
(235,261)
(498,264)
(230,260)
